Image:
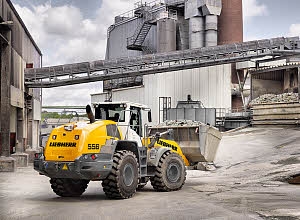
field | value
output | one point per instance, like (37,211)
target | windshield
(114,112)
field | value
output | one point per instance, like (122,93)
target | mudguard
(155,154)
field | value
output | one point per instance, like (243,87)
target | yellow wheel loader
(113,147)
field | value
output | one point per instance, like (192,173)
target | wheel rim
(173,172)
(128,174)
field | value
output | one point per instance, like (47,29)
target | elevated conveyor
(76,73)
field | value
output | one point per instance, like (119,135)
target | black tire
(170,173)
(68,187)
(122,182)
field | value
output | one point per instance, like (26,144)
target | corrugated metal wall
(211,85)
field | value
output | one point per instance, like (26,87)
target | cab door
(136,120)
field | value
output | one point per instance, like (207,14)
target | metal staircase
(149,14)
(136,41)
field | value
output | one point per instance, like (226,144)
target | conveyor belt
(70,74)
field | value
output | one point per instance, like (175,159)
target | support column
(5,100)
(241,89)
(7,164)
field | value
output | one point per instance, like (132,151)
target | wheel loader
(115,146)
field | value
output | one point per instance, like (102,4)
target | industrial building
(175,25)
(20,106)
(162,52)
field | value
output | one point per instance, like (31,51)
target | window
(136,120)
(113,131)
(114,112)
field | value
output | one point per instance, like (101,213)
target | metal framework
(70,74)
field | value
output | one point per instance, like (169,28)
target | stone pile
(271,98)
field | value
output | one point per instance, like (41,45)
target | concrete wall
(210,85)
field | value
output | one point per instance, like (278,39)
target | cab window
(113,131)
(110,112)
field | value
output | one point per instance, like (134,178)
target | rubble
(272,98)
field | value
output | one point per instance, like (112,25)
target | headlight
(153,153)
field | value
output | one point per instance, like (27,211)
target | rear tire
(122,182)
(170,173)
(68,187)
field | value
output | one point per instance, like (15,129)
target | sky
(70,31)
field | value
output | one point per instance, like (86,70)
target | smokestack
(230,23)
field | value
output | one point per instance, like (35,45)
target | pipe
(90,114)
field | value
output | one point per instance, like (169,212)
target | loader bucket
(199,143)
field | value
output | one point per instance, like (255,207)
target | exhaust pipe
(90,114)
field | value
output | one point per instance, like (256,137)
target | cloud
(294,30)
(63,21)
(71,95)
(65,36)
(62,33)
(252,8)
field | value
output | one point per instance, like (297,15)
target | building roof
(24,26)
(121,102)
(274,68)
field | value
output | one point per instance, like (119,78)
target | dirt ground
(250,182)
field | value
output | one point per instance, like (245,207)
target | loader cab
(126,114)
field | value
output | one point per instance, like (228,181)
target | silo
(166,35)
(197,32)
(211,30)
(231,22)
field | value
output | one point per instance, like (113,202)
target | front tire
(68,187)
(170,173)
(122,182)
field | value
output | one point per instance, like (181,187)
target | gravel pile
(271,98)
(177,123)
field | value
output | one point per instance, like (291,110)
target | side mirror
(149,117)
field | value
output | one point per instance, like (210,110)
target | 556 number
(93,146)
